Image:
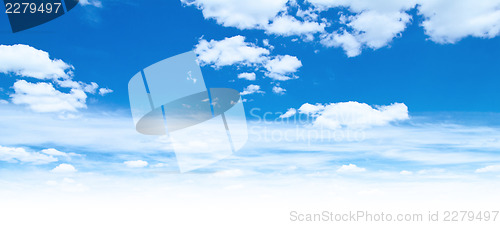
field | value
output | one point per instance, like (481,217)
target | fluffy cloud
(363,24)
(235,51)
(64,168)
(247,76)
(279,90)
(251,89)
(43,97)
(351,168)
(136,164)
(282,67)
(230,51)
(26,61)
(21,155)
(354,114)
(243,14)
(105,91)
(288,26)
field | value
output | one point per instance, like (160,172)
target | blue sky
(416,88)
(107,47)
(365,102)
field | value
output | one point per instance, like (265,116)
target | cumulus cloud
(279,90)
(14,155)
(351,168)
(136,164)
(105,91)
(243,14)
(64,168)
(282,67)
(363,24)
(26,61)
(235,51)
(230,51)
(251,89)
(247,76)
(43,97)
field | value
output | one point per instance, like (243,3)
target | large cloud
(358,24)
(26,61)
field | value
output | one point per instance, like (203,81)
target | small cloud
(54,152)
(489,169)
(3,101)
(95,3)
(136,164)
(159,165)
(351,168)
(252,88)
(105,91)
(64,168)
(279,90)
(247,76)
(14,155)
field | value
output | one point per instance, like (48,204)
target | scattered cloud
(95,3)
(351,168)
(64,168)
(230,51)
(247,76)
(136,164)
(105,91)
(282,67)
(279,90)
(251,89)
(359,24)
(14,155)
(26,61)
(43,97)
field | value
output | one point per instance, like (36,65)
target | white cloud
(43,97)
(90,88)
(64,168)
(279,90)
(247,76)
(95,3)
(54,152)
(289,113)
(136,164)
(243,14)
(288,26)
(105,91)
(354,114)
(251,89)
(488,169)
(351,168)
(346,40)
(24,60)
(311,109)
(449,22)
(230,51)
(3,101)
(9,154)
(282,67)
